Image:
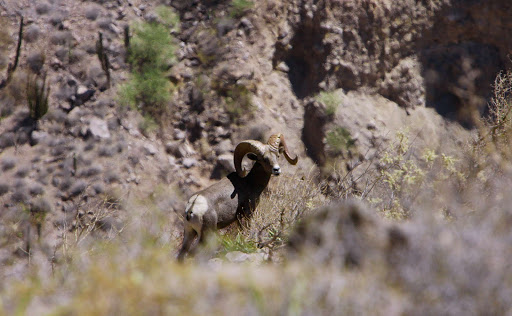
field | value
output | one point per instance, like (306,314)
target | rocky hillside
(146,101)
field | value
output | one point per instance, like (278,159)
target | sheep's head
(266,154)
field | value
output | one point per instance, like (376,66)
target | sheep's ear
(252,156)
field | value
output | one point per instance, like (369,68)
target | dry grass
(287,200)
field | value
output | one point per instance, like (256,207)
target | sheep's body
(235,195)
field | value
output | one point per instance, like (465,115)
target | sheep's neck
(258,177)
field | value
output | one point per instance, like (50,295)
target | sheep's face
(269,161)
(267,155)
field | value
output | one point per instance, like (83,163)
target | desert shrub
(7,139)
(42,7)
(8,163)
(41,205)
(75,55)
(4,188)
(151,52)
(404,180)
(105,24)
(286,201)
(36,189)
(57,18)
(7,105)
(32,33)
(398,179)
(339,140)
(92,12)
(91,171)
(16,88)
(168,17)
(495,132)
(112,176)
(239,8)
(238,101)
(63,183)
(107,151)
(99,188)
(36,61)
(148,125)
(77,188)
(208,52)
(62,53)
(149,91)
(151,47)
(61,38)
(22,171)
(20,195)
(331,101)
(238,243)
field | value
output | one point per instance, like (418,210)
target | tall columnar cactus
(18,47)
(127,43)
(103,57)
(127,37)
(37,96)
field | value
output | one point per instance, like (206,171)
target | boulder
(98,128)
(83,94)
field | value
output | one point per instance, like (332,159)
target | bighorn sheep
(235,195)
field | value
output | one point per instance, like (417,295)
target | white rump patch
(197,205)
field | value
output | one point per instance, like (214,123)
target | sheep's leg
(202,236)
(209,225)
(188,238)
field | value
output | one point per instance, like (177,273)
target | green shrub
(240,7)
(148,91)
(338,139)
(331,101)
(402,178)
(148,125)
(151,52)
(238,101)
(168,17)
(151,48)
(238,243)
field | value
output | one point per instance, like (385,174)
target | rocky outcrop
(434,53)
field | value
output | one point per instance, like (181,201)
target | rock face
(313,133)
(434,53)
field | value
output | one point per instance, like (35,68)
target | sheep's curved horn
(242,149)
(277,142)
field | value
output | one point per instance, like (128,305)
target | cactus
(18,47)
(103,57)
(127,43)
(37,96)
(127,37)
